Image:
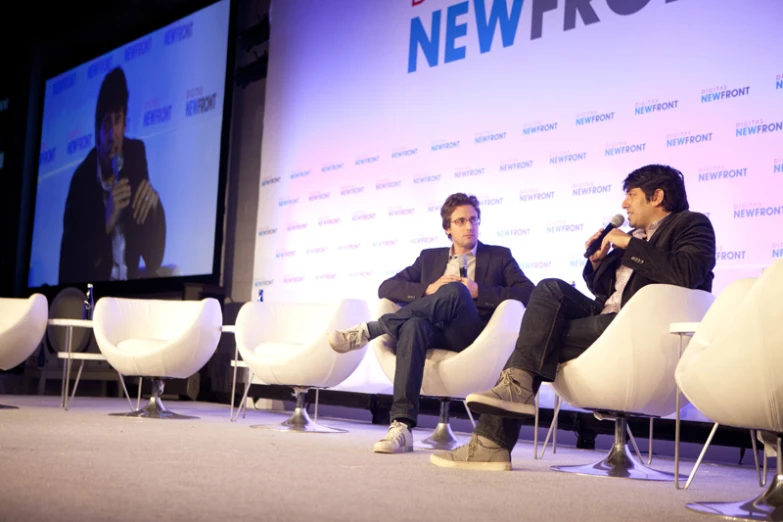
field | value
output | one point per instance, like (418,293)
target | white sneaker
(398,439)
(354,338)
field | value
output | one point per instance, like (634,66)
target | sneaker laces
(513,386)
(396,432)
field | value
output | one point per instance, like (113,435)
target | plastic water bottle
(89,303)
(260,295)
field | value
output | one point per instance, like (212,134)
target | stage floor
(84,465)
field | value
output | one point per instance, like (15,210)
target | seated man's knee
(549,285)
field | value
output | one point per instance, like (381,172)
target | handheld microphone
(463,270)
(617,221)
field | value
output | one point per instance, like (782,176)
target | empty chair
(285,344)
(453,375)
(157,339)
(629,370)
(732,372)
(22,327)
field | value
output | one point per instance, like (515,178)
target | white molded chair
(454,375)
(22,327)
(157,339)
(732,372)
(629,370)
(285,344)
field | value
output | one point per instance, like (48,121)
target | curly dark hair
(653,177)
(112,96)
(454,201)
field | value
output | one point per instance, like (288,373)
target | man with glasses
(448,294)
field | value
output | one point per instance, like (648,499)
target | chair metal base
(8,407)
(768,506)
(619,463)
(299,421)
(441,439)
(155,408)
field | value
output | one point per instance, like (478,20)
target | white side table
(69,356)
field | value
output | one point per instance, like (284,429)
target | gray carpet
(83,465)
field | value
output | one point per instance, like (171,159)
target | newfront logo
(404,153)
(264,282)
(535,265)
(315,251)
(322,222)
(47,156)
(156,115)
(423,240)
(621,148)
(490,201)
(491,17)
(729,255)
(263,232)
(559,227)
(559,157)
(650,106)
(513,232)
(296,226)
(467,172)
(329,168)
(517,165)
(293,279)
(588,118)
(445,145)
(779,82)
(178,34)
(99,67)
(63,84)
(751,210)
(349,191)
(681,139)
(317,196)
(300,174)
(287,253)
(138,49)
(719,173)
(79,143)
(777,166)
(269,181)
(366,161)
(363,216)
(384,243)
(352,246)
(753,127)
(201,105)
(777,250)
(426,179)
(490,137)
(722,92)
(398,211)
(535,195)
(287,202)
(588,189)
(386,184)
(537,127)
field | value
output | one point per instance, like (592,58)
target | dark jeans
(559,324)
(447,319)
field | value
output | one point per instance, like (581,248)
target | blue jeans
(447,319)
(559,324)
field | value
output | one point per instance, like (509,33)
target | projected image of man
(448,296)
(669,244)
(113,215)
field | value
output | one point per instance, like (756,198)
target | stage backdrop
(376,111)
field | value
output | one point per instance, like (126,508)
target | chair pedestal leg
(155,408)
(299,420)
(619,463)
(8,407)
(442,438)
(768,506)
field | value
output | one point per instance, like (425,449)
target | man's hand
(119,199)
(600,254)
(444,280)
(145,201)
(617,238)
(472,286)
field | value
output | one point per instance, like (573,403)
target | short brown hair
(454,201)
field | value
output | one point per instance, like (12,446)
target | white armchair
(157,339)
(22,327)
(451,375)
(629,370)
(732,372)
(285,344)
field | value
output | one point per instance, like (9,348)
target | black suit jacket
(497,274)
(681,252)
(85,249)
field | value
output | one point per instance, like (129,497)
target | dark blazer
(85,249)
(681,252)
(497,274)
